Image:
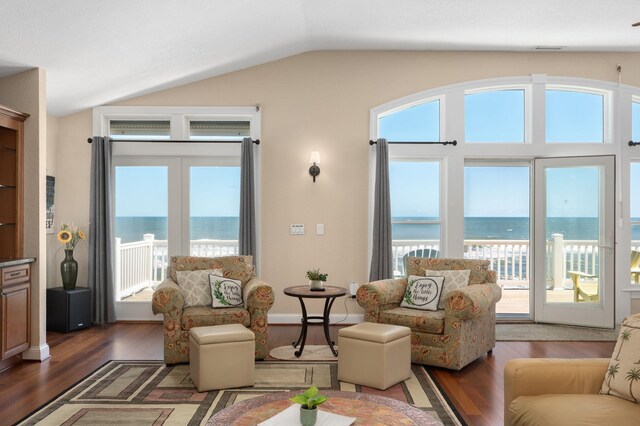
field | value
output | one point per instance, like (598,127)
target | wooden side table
(330,294)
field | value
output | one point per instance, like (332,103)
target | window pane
(415,211)
(139,129)
(496,227)
(141,224)
(494,116)
(218,130)
(416,123)
(635,221)
(214,208)
(635,121)
(574,117)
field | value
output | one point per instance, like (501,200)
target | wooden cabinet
(11,182)
(15,307)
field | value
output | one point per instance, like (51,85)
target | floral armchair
(451,337)
(168,300)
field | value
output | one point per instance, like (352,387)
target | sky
(142,191)
(496,116)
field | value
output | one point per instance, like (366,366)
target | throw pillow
(195,286)
(453,280)
(623,375)
(225,292)
(423,293)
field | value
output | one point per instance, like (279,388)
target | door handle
(605,246)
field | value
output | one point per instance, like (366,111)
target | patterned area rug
(150,393)
(310,353)
(552,332)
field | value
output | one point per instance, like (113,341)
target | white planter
(315,283)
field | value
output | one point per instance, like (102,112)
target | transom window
(635,121)
(415,123)
(495,116)
(574,116)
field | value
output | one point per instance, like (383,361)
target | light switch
(320,229)
(297,229)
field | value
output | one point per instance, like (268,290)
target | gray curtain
(247,237)
(381,265)
(101,271)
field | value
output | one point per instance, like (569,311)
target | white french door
(165,207)
(574,240)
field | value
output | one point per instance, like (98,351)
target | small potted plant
(316,278)
(309,401)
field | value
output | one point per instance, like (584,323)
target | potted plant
(316,278)
(309,401)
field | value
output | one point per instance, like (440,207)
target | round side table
(330,294)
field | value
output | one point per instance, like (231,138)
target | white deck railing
(142,264)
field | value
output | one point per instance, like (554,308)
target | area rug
(553,332)
(150,393)
(310,353)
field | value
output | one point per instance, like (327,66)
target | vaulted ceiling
(97,51)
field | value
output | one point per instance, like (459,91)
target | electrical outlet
(297,229)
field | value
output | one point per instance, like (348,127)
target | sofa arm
(258,295)
(541,376)
(472,301)
(380,295)
(168,299)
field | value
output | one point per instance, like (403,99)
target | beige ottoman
(221,357)
(374,355)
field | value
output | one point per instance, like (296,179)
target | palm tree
(624,337)
(611,373)
(633,375)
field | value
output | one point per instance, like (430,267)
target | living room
(326,97)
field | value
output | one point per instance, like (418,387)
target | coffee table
(368,409)
(330,294)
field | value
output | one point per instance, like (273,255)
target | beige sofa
(562,392)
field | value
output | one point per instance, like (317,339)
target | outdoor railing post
(558,260)
(118,282)
(149,239)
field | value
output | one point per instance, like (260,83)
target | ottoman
(374,355)
(221,356)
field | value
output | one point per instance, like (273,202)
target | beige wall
(321,101)
(26,92)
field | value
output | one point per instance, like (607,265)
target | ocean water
(501,228)
(130,228)
(475,228)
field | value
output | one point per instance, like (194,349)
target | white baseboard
(296,318)
(37,353)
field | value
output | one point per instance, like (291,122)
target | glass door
(496,228)
(141,229)
(574,240)
(213,211)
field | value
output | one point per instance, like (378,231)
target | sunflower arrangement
(69,235)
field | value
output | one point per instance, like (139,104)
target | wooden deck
(514,301)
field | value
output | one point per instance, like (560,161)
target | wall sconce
(314,160)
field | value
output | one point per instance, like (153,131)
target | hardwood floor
(476,391)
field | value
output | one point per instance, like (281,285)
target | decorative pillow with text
(622,378)
(195,286)
(225,292)
(453,280)
(423,293)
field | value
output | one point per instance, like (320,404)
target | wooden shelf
(11,182)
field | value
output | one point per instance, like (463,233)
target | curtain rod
(257,141)
(453,142)
(632,143)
